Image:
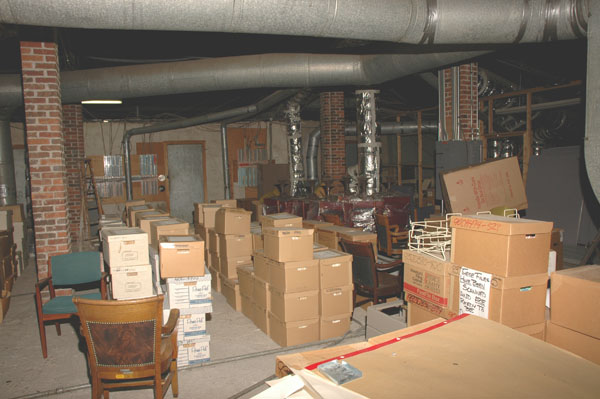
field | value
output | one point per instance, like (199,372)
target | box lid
(336,229)
(280,216)
(293,264)
(358,234)
(233,211)
(317,223)
(500,224)
(108,233)
(589,273)
(287,231)
(211,207)
(169,222)
(332,255)
(248,270)
(140,207)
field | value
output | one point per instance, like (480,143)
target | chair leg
(42,335)
(158,392)
(57,324)
(174,382)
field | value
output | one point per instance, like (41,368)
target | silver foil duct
(369,147)
(292,114)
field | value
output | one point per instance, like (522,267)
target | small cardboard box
(418,314)
(535,330)
(230,289)
(229,266)
(181,256)
(129,204)
(215,282)
(335,268)
(575,299)
(484,187)
(429,307)
(318,247)
(499,245)
(199,213)
(294,306)
(193,351)
(315,225)
(192,321)
(293,333)
(247,306)
(146,214)
(246,279)
(234,245)
(261,268)
(137,209)
(360,236)
(145,218)
(131,282)
(262,294)
(295,276)
(573,341)
(209,213)
(335,301)
(261,319)
(189,292)
(213,241)
(285,244)
(334,326)
(330,236)
(125,246)
(167,227)
(282,220)
(227,203)
(232,221)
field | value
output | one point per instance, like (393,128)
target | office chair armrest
(387,267)
(168,328)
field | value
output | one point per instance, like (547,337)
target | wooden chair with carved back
(390,239)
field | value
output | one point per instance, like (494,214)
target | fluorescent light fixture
(102,102)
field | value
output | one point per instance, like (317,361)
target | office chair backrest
(363,261)
(76,268)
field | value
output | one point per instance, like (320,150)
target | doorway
(186,175)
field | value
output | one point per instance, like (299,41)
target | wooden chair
(332,218)
(79,270)
(128,346)
(390,240)
(372,279)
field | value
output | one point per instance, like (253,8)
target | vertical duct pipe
(442,133)
(296,161)
(225,150)
(368,146)
(311,155)
(8,185)
(456,134)
(127,151)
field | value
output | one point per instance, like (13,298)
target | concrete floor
(241,355)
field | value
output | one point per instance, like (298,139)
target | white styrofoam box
(155,263)
(193,351)
(131,282)
(125,246)
(189,292)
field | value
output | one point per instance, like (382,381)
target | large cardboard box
(285,244)
(131,282)
(335,268)
(484,187)
(148,217)
(199,213)
(499,245)
(247,306)
(261,268)
(229,266)
(192,321)
(262,294)
(573,341)
(293,333)
(129,204)
(189,292)
(360,236)
(246,279)
(213,241)
(295,276)
(556,243)
(234,245)
(335,301)
(215,281)
(167,227)
(181,256)
(193,351)
(436,310)
(330,235)
(294,306)
(257,238)
(315,225)
(418,314)
(125,246)
(209,214)
(232,221)
(281,220)
(147,214)
(227,203)
(575,299)
(261,319)
(334,326)
(535,330)
(230,288)
(135,210)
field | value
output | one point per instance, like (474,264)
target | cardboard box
(145,214)
(556,243)
(229,266)
(131,282)
(155,265)
(134,210)
(213,241)
(246,279)
(318,247)
(435,310)
(285,244)
(535,330)
(294,306)
(181,256)
(215,260)
(261,268)
(235,246)
(202,232)
(189,292)
(261,319)
(192,321)
(575,299)
(232,221)
(209,213)
(231,291)
(146,218)
(295,276)
(193,351)
(247,306)
(315,225)
(129,204)
(334,326)
(386,317)
(330,236)
(18,215)
(262,294)
(227,203)
(125,247)
(215,281)
(335,268)
(575,342)
(257,238)
(483,187)
(293,333)
(199,213)
(335,301)
(360,236)
(167,227)
(418,314)
(281,220)
(499,245)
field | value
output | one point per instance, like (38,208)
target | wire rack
(432,237)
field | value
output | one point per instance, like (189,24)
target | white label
(474,292)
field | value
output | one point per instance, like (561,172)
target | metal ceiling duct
(405,21)
(369,147)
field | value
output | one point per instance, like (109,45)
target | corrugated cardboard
(262,294)
(229,266)
(215,261)
(436,310)
(181,256)
(146,214)
(257,238)
(484,187)
(170,227)
(575,299)
(193,351)
(213,241)
(147,218)
(125,246)
(335,301)
(209,213)
(285,244)
(189,292)
(202,231)
(535,330)
(228,203)
(232,221)
(330,235)
(261,268)
(131,282)
(294,306)
(360,236)
(293,333)
(556,243)
(235,246)
(231,291)
(335,268)
(418,314)
(134,210)
(192,321)
(334,326)
(261,319)
(199,213)
(499,245)
(247,305)
(315,225)
(129,204)
(575,342)
(246,279)
(215,282)
(295,276)
(386,317)
(281,220)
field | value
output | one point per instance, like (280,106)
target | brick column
(468,107)
(74,152)
(333,146)
(45,144)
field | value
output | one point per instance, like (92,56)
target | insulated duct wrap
(368,146)
(292,115)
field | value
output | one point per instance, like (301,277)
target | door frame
(183,142)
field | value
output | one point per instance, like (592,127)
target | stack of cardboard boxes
(8,265)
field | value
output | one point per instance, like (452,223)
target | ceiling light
(102,102)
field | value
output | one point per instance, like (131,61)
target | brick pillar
(45,144)
(74,152)
(468,107)
(333,146)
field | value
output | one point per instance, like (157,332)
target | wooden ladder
(90,200)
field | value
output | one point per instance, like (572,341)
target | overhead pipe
(592,125)
(404,21)
(539,106)
(225,151)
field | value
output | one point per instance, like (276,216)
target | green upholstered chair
(78,271)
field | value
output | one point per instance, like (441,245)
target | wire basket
(432,237)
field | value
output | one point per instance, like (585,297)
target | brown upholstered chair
(127,345)
(390,239)
(371,279)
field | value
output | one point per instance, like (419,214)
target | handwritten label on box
(474,292)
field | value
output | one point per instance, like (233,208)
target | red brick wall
(45,144)
(468,105)
(333,147)
(74,152)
